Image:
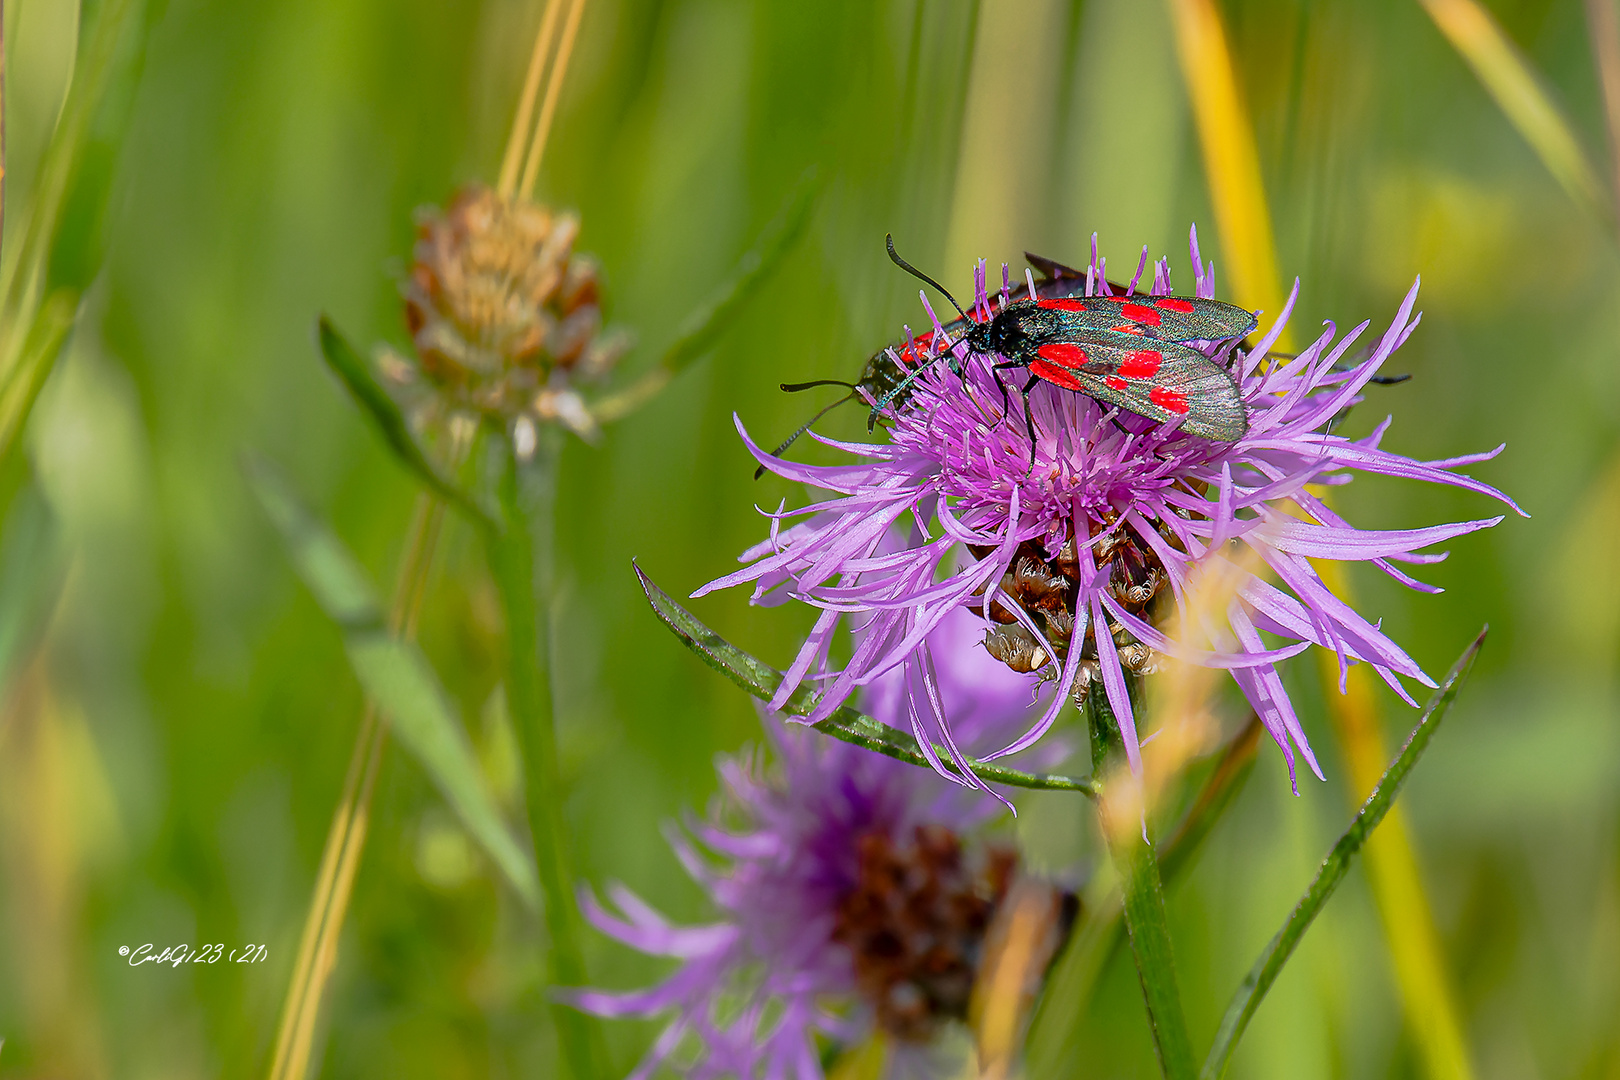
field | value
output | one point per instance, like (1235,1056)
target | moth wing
(1170,318)
(1160,380)
(1051,269)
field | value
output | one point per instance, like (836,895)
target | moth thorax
(915,922)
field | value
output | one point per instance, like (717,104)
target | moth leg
(1029,419)
(1006,399)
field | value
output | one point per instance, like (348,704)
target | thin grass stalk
(1392,870)
(520,558)
(346,836)
(548,108)
(1519,93)
(1263,974)
(1603,26)
(517,142)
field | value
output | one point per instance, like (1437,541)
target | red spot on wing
(1128,329)
(1141,313)
(1169,400)
(1174,303)
(1062,303)
(1063,352)
(1142,364)
(1055,375)
(1115,383)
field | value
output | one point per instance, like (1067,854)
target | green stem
(1138,867)
(520,558)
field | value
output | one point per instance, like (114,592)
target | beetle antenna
(920,276)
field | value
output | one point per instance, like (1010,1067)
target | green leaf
(1334,867)
(356,374)
(698,332)
(393,672)
(761,680)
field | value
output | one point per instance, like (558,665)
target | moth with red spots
(1129,351)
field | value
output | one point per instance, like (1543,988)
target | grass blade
(698,333)
(1519,93)
(761,680)
(394,674)
(60,248)
(1392,868)
(1334,867)
(384,413)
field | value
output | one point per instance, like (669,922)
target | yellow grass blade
(517,143)
(1509,79)
(1232,165)
(1231,159)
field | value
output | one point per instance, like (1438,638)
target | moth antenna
(791,439)
(797,387)
(894,256)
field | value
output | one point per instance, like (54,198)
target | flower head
(851,897)
(1069,546)
(504,313)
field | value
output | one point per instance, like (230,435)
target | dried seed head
(504,314)
(1047,589)
(915,925)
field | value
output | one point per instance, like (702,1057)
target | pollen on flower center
(915,924)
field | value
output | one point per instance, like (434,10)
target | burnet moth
(1129,351)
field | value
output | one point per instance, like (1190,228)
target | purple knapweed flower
(1085,529)
(848,897)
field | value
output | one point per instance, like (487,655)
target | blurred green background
(177,722)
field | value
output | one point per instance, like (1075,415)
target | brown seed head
(1048,588)
(915,925)
(504,314)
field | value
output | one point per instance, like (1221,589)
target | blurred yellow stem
(346,837)
(1392,869)
(548,108)
(517,142)
(1519,94)
(1231,158)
